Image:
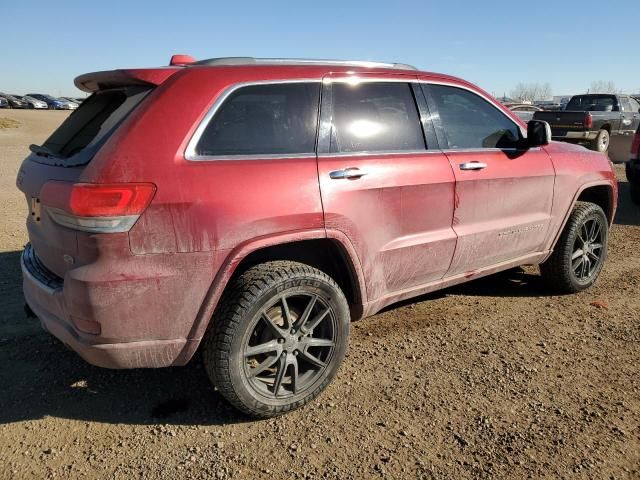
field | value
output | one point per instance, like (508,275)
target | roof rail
(227,61)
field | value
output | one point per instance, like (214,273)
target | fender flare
(238,254)
(597,183)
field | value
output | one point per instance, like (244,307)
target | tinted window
(264,119)
(94,120)
(635,106)
(469,121)
(593,103)
(374,117)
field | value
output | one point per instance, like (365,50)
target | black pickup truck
(595,119)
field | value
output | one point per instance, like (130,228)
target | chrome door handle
(472,166)
(351,172)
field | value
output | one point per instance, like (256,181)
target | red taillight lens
(98,200)
(588,120)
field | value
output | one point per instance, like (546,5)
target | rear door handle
(472,166)
(350,172)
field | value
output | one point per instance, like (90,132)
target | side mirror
(538,133)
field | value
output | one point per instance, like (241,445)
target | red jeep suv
(255,207)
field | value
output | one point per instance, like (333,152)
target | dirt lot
(494,379)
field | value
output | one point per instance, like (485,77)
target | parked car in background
(34,103)
(524,111)
(72,100)
(4,103)
(54,103)
(633,169)
(595,119)
(14,102)
(283,234)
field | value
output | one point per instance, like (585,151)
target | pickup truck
(595,119)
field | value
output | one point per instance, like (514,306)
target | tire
(601,142)
(559,271)
(634,192)
(31,107)
(254,350)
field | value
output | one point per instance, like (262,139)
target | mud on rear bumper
(44,294)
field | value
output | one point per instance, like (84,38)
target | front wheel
(278,338)
(601,142)
(579,255)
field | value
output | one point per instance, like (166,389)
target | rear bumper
(56,305)
(575,136)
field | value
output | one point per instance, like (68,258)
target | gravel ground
(493,379)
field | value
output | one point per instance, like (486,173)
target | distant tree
(602,86)
(530,92)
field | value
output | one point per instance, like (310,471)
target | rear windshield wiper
(42,151)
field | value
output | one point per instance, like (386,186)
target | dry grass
(8,123)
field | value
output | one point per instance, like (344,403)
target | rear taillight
(588,120)
(104,208)
(635,147)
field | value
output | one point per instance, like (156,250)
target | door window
(374,117)
(469,121)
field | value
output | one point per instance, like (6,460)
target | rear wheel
(601,142)
(278,338)
(579,255)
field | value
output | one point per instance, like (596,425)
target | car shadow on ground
(41,377)
(628,212)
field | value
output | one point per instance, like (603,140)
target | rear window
(592,103)
(86,129)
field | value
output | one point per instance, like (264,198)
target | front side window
(264,120)
(469,121)
(375,117)
(635,106)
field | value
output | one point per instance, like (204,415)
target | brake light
(588,120)
(96,207)
(635,147)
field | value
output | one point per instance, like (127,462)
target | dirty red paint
(414,224)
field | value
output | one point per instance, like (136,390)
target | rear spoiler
(90,82)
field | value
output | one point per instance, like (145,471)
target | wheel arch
(329,251)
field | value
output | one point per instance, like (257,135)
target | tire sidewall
(334,298)
(593,213)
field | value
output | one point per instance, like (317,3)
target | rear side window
(264,120)
(469,121)
(87,128)
(374,117)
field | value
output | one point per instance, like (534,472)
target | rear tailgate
(65,154)
(563,122)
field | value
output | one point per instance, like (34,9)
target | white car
(34,102)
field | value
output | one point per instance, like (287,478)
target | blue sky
(495,44)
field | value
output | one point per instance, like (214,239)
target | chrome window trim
(190,153)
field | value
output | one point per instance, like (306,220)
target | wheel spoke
(577,253)
(592,230)
(286,313)
(294,375)
(596,246)
(316,342)
(267,347)
(282,368)
(585,267)
(596,232)
(275,329)
(312,359)
(314,323)
(305,315)
(268,363)
(593,257)
(577,264)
